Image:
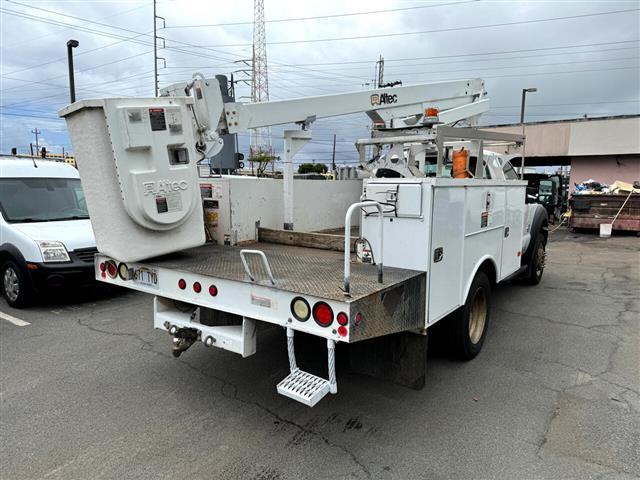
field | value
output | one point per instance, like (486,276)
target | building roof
(564,120)
(612,135)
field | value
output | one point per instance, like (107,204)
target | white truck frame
(443,242)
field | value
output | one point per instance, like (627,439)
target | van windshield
(42,199)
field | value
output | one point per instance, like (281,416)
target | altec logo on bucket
(383,99)
(164,186)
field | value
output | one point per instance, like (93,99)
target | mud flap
(399,358)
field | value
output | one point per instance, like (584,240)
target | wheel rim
(477,316)
(11,284)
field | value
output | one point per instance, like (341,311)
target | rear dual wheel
(467,326)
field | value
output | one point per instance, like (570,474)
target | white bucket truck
(443,220)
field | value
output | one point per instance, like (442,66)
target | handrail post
(347,242)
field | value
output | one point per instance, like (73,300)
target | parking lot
(90,390)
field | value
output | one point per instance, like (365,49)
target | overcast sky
(585,65)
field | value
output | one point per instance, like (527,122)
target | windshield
(42,199)
(509,172)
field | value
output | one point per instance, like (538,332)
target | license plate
(145,276)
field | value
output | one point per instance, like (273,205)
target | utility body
(430,246)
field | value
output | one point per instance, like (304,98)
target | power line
(33,39)
(319,17)
(132,39)
(457,55)
(29,116)
(405,65)
(100,33)
(439,30)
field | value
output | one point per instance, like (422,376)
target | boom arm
(397,107)
(382,105)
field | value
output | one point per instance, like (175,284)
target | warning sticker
(170,202)
(484,219)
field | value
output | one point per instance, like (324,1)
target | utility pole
(524,96)
(156,79)
(379,72)
(36,132)
(379,80)
(333,156)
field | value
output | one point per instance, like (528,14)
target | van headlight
(53,251)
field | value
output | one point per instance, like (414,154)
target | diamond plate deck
(296,269)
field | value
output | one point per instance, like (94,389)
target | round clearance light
(300,309)
(342,331)
(103,267)
(322,314)
(123,271)
(197,287)
(213,290)
(342,318)
(112,270)
(182,284)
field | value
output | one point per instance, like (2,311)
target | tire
(535,268)
(468,325)
(16,286)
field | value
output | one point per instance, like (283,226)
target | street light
(71,44)
(524,96)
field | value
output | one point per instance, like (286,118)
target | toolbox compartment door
(446,254)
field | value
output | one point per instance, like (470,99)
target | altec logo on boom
(383,99)
(164,186)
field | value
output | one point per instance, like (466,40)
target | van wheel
(535,269)
(16,287)
(468,325)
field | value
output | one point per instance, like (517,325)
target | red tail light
(112,270)
(213,290)
(322,314)
(182,284)
(103,267)
(342,318)
(342,331)
(197,287)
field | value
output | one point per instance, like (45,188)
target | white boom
(396,107)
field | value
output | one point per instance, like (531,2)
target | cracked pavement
(90,390)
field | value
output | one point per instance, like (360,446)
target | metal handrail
(261,254)
(347,242)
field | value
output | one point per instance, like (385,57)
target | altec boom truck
(442,220)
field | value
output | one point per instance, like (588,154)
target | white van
(46,240)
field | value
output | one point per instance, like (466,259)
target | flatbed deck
(302,270)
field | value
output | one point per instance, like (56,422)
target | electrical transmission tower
(260,150)
(156,58)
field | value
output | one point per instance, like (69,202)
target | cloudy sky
(583,56)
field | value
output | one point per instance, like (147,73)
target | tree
(320,168)
(307,168)
(262,159)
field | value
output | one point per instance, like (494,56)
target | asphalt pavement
(88,390)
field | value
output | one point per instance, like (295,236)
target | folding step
(303,386)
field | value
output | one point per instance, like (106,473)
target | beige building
(605,149)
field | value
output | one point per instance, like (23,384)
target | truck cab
(46,240)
